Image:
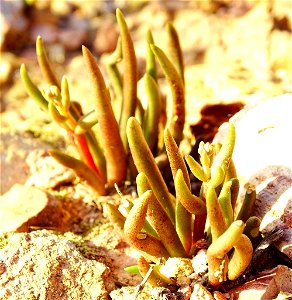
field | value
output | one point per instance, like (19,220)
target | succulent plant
(104,157)
(161,225)
(158,224)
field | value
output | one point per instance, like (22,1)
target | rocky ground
(236,53)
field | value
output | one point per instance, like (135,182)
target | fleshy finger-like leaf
(177,118)
(32,90)
(160,222)
(240,258)
(134,224)
(65,95)
(223,158)
(225,202)
(196,168)
(55,114)
(147,226)
(217,270)
(247,205)
(183,218)
(215,215)
(130,77)
(227,240)
(109,131)
(145,163)
(115,216)
(152,114)
(114,73)
(234,191)
(192,203)
(150,58)
(174,49)
(218,264)
(44,63)
(252,227)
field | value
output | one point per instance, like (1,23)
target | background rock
(13,24)
(15,148)
(19,205)
(266,286)
(45,172)
(39,265)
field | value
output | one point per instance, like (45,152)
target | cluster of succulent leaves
(157,223)
(161,225)
(100,136)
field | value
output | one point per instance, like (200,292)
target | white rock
(178,268)
(201,293)
(200,263)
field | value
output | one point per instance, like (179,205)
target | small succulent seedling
(180,222)
(109,164)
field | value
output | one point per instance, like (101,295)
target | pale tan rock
(40,265)
(23,207)
(126,293)
(145,293)
(19,205)
(119,257)
(45,172)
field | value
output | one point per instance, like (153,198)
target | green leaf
(44,63)
(177,119)
(248,204)
(160,221)
(225,202)
(227,240)
(223,158)
(215,214)
(152,114)
(32,90)
(196,168)
(192,203)
(150,58)
(145,163)
(240,258)
(174,49)
(134,224)
(130,77)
